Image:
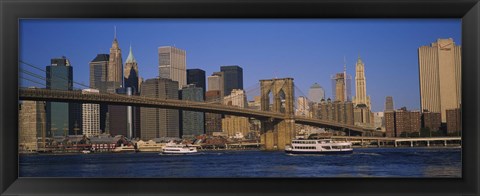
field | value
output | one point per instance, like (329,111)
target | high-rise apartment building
(173,64)
(156,122)
(336,111)
(389,103)
(454,120)
(431,120)
(402,122)
(316,93)
(193,122)
(59,76)
(115,67)
(31,118)
(233,78)
(91,116)
(197,77)
(361,85)
(440,76)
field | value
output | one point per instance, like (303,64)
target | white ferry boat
(319,146)
(173,148)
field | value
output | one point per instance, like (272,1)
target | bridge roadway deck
(37,94)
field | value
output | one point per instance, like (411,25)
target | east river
(363,162)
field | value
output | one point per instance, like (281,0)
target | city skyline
(383,58)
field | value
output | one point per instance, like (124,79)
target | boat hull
(319,152)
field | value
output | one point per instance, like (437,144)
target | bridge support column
(395,143)
(428,143)
(445,142)
(411,143)
(378,143)
(276,135)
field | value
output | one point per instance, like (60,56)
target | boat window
(326,147)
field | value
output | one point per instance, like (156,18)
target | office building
(213,122)
(91,116)
(133,81)
(390,124)
(32,124)
(216,82)
(361,85)
(119,119)
(232,77)
(303,107)
(440,76)
(173,64)
(341,87)
(335,111)
(193,122)
(99,80)
(316,93)
(231,125)
(156,122)
(379,121)
(59,75)
(115,67)
(197,77)
(389,103)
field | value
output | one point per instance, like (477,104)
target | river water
(363,162)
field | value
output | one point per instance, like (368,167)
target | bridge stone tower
(278,133)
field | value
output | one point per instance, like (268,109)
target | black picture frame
(11,11)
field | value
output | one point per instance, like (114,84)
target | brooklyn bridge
(277,119)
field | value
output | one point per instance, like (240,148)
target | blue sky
(309,50)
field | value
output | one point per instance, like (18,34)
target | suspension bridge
(276,113)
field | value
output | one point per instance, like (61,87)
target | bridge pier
(276,135)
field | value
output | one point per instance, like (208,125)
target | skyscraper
(132,76)
(59,76)
(213,122)
(216,82)
(91,116)
(361,85)
(197,77)
(99,80)
(156,122)
(115,70)
(389,103)
(341,87)
(193,122)
(132,81)
(173,64)
(316,93)
(232,77)
(440,76)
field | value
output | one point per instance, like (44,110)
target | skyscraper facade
(341,87)
(115,67)
(119,123)
(216,82)
(197,77)
(156,122)
(173,64)
(389,103)
(91,116)
(231,125)
(193,122)
(213,122)
(440,76)
(99,80)
(59,75)
(361,85)
(133,82)
(233,78)
(316,93)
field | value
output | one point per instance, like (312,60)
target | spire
(359,60)
(114,32)
(130,58)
